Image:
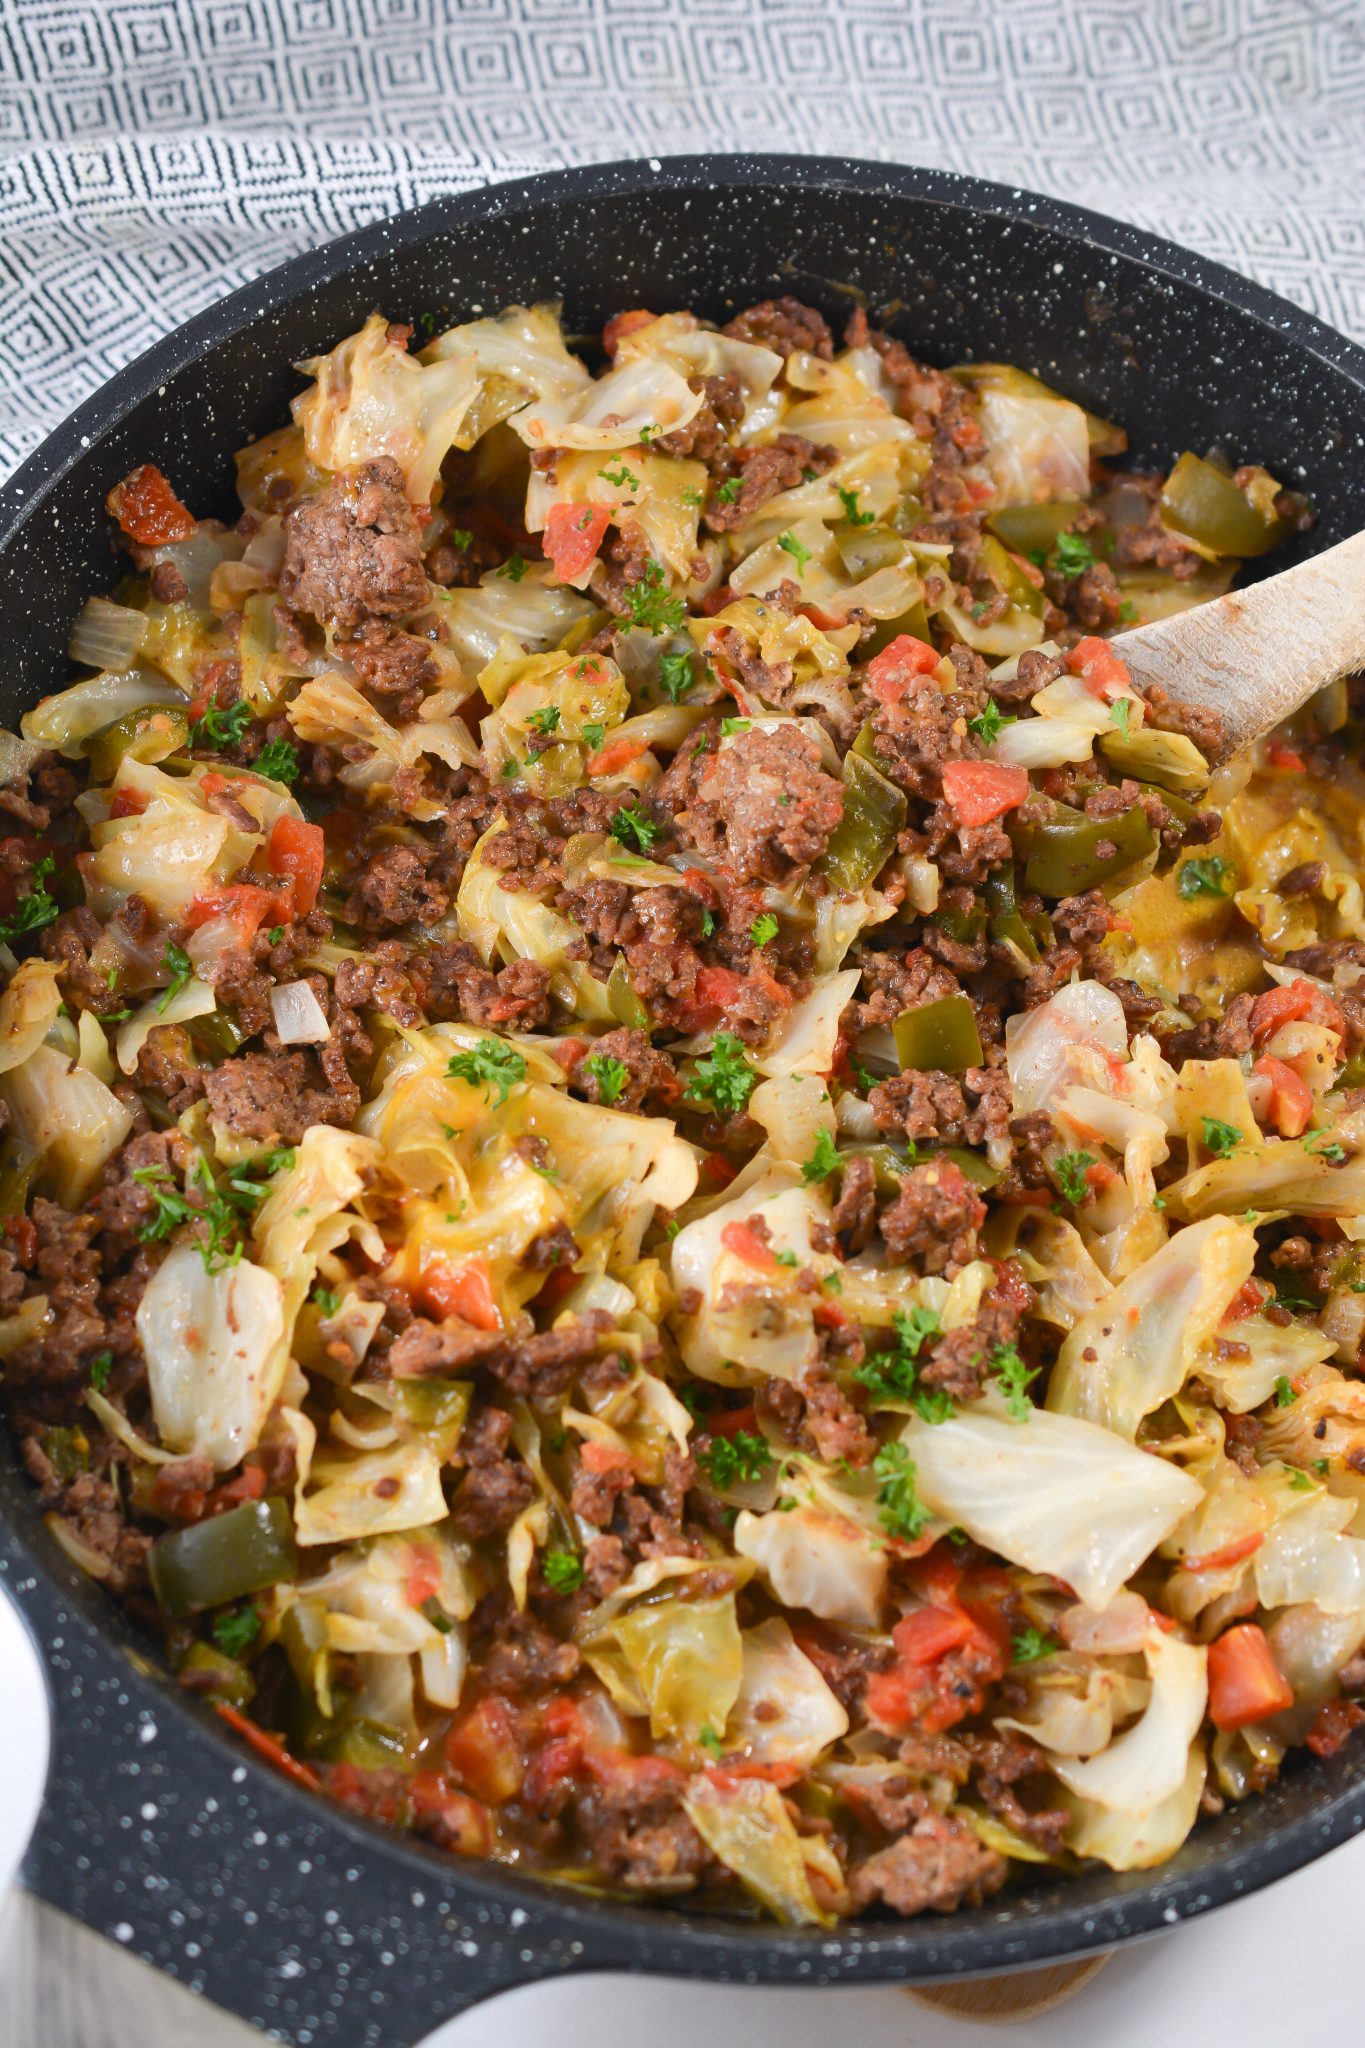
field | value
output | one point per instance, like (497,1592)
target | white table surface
(1255,1973)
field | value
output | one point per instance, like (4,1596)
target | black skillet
(158,1827)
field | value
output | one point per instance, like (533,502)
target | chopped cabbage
(688,1660)
(212,1346)
(1142,1768)
(370,398)
(745,1824)
(611,411)
(376,1494)
(68,1114)
(820,1561)
(28,1011)
(784,1712)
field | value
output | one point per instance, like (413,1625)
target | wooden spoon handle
(1258,654)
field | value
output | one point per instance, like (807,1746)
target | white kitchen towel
(155,153)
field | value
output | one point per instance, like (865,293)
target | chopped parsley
(799,553)
(235,1631)
(461,538)
(275,934)
(723,1077)
(1119,712)
(101,1365)
(1071,556)
(1029,1645)
(593,736)
(729,490)
(326,1300)
(35,909)
(676,676)
(611,1076)
(763,930)
(563,1571)
(1128,611)
(1203,877)
(219,728)
(903,1514)
(1219,1138)
(1320,1467)
(279,759)
(1015,1379)
(620,478)
(738,1458)
(545,720)
(172,1207)
(730,726)
(489,1065)
(630,826)
(849,501)
(708,923)
(649,605)
(1334,1152)
(1285,1396)
(991,723)
(823,1161)
(786,1258)
(514,568)
(1300,1482)
(711,1742)
(180,967)
(1069,1170)
(893,1375)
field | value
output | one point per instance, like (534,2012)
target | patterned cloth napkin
(156,153)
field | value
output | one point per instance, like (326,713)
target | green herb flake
(893,1375)
(36,908)
(545,720)
(823,1161)
(849,500)
(620,478)
(488,1065)
(1029,1645)
(711,1742)
(1299,1482)
(180,967)
(1069,1170)
(1014,1378)
(1285,1396)
(461,538)
(676,676)
(214,1212)
(514,568)
(723,1078)
(279,759)
(630,826)
(593,736)
(648,604)
(326,1300)
(763,930)
(1207,876)
(903,1515)
(235,1631)
(991,722)
(1071,556)
(708,923)
(219,727)
(730,726)
(1219,1138)
(740,1458)
(799,553)
(611,1076)
(563,1571)
(786,1258)
(101,1366)
(729,491)
(1119,712)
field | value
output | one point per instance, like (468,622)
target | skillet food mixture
(683,1198)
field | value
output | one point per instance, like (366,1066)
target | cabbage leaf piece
(370,398)
(28,1011)
(1142,1768)
(822,1561)
(69,1115)
(639,399)
(745,1823)
(212,1345)
(688,1660)
(784,1712)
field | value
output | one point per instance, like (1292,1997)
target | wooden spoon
(1257,654)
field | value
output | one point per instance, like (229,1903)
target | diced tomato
(465,1291)
(1291,1098)
(1291,1005)
(249,1484)
(828,1315)
(1028,569)
(827,622)
(1011,1288)
(1099,668)
(483,1751)
(128,803)
(729,1421)
(716,601)
(462,1823)
(598,1458)
(561,1716)
(570,1051)
(241,904)
(268,1746)
(558,1760)
(740,1239)
(621,324)
(423,1578)
(892,673)
(719,1170)
(1284,758)
(1244,1683)
(573,534)
(700,884)
(981,790)
(732,1773)
(147,508)
(1230,1554)
(617,754)
(927,1634)
(1331,1726)
(1247,1301)
(296,850)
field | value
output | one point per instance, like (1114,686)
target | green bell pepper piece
(939,1037)
(242,1551)
(964,928)
(993,561)
(1061,857)
(1033,529)
(435,1407)
(303,1638)
(67,1450)
(622,1000)
(866,835)
(147,734)
(218,1035)
(214,1675)
(1199,501)
(17,1176)
(972,1166)
(368,1745)
(915,622)
(1005,924)
(865,549)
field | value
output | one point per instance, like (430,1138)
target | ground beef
(69,943)
(706,433)
(913,737)
(958,1109)
(1143,541)
(62,1266)
(621,564)
(354,551)
(538,1365)
(767,806)
(938,1866)
(495,1488)
(124,1206)
(378,982)
(831,1426)
(605,1566)
(895,982)
(167,1066)
(1205,727)
(276,1096)
(393,663)
(89,1507)
(1093,599)
(770,680)
(784,325)
(636,1830)
(1215,1038)
(933,1221)
(651,1078)
(395,889)
(959,1362)
(526,1661)
(763,471)
(451,982)
(854,1216)
(999,1764)
(942,412)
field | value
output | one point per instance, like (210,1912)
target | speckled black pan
(159,1828)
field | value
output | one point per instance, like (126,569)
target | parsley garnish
(729,490)
(1015,1380)
(849,501)
(763,930)
(649,605)
(101,1365)
(1285,1396)
(35,909)
(275,934)
(892,1375)
(823,1161)
(514,568)
(611,1076)
(711,1742)
(630,825)
(799,553)
(1069,1169)
(1030,1645)
(620,478)
(738,1457)
(544,720)
(1118,714)
(1071,556)
(903,1514)
(180,967)
(708,923)
(461,538)
(991,723)
(236,1630)
(730,726)
(1334,1152)
(219,728)
(1219,1138)
(1203,877)
(563,1571)
(1128,611)
(1300,1482)
(723,1077)
(593,736)
(489,1065)
(326,1300)
(216,1212)
(279,759)
(676,677)
(786,1258)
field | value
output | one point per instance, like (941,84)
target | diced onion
(299,1017)
(107,635)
